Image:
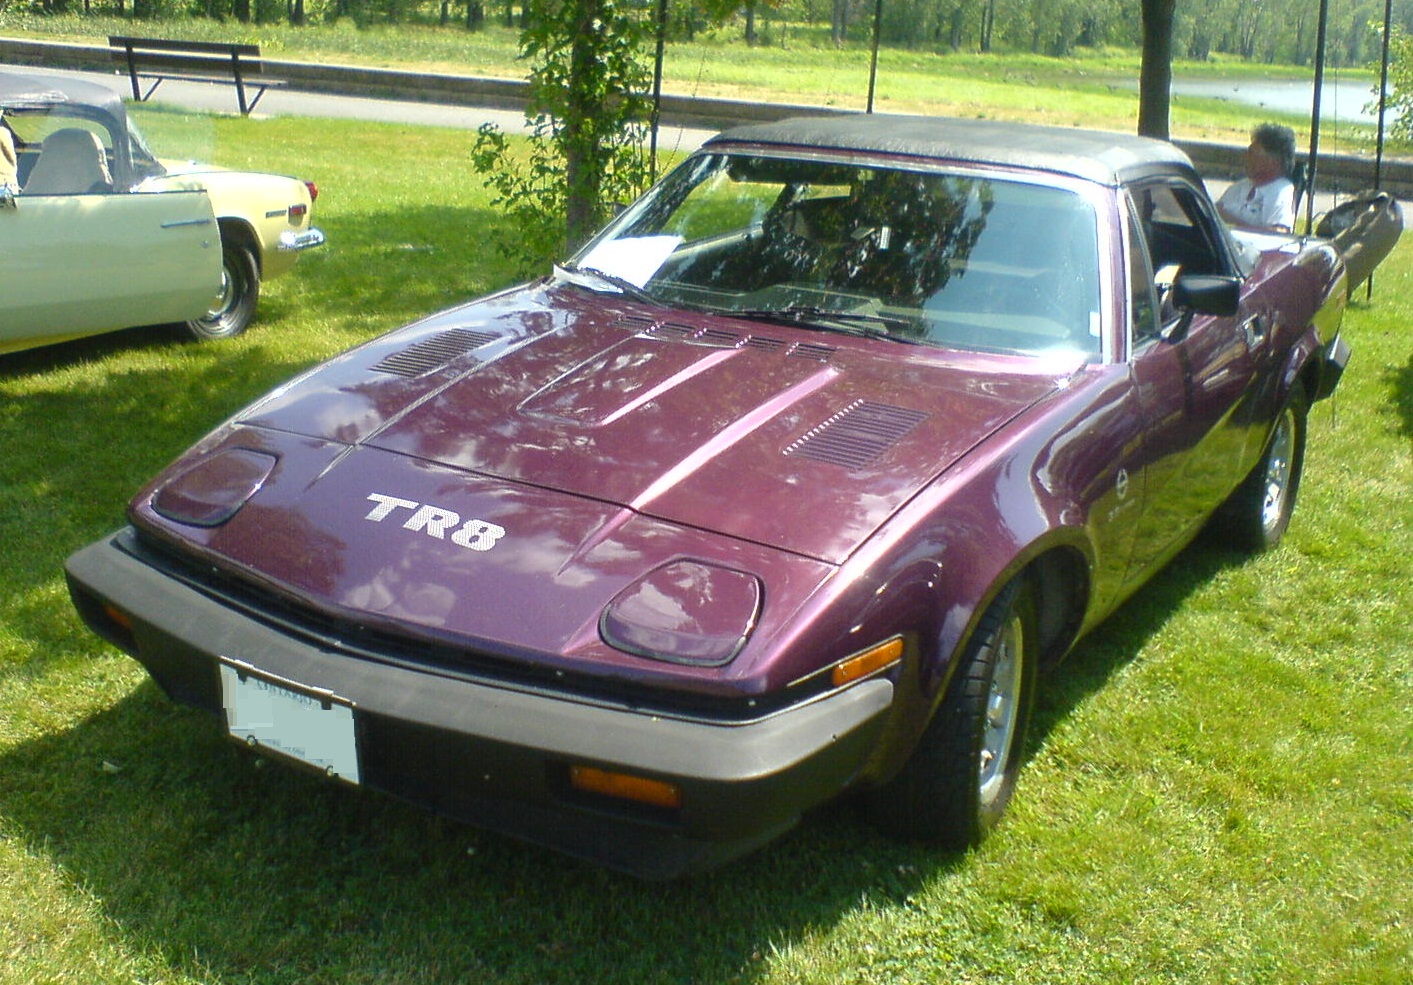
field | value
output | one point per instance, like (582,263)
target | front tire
(956,786)
(1260,509)
(233,307)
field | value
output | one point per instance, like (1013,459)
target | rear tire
(1260,509)
(956,786)
(233,308)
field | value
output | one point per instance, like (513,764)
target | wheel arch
(1310,374)
(921,790)
(1057,570)
(1059,578)
(239,231)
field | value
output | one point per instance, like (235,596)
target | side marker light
(869,661)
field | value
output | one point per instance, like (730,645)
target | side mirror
(1207,294)
(1203,294)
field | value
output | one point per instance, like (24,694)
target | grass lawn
(798,64)
(1220,785)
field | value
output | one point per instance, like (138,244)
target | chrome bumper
(293,241)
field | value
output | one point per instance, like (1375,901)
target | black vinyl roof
(1094,155)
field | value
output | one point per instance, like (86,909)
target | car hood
(783,437)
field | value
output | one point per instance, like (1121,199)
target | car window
(69,154)
(1181,236)
(33,128)
(1180,233)
(1143,301)
(955,259)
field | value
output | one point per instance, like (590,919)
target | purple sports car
(786,486)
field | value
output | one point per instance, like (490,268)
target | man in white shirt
(1265,199)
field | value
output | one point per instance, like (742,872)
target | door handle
(1255,329)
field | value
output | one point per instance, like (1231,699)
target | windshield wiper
(864,324)
(576,274)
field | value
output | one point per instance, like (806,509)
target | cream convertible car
(96,234)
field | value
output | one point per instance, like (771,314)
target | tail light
(313,191)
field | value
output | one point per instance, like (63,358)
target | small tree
(1399,102)
(589,106)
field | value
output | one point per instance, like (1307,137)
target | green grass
(1220,785)
(797,64)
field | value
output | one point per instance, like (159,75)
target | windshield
(951,259)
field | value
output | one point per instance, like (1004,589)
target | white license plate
(305,724)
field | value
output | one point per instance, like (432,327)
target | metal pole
(873,62)
(1383,108)
(1383,95)
(657,88)
(1312,167)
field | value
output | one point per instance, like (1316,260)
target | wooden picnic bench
(159,59)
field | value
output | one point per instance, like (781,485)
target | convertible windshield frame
(936,253)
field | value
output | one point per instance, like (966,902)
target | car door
(1193,380)
(77,265)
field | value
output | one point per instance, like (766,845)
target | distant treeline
(1269,31)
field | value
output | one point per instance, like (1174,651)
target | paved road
(287,102)
(277,102)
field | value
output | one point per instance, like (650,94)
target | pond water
(1340,101)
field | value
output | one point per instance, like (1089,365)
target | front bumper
(499,756)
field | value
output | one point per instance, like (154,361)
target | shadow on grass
(255,872)
(1400,384)
(235,871)
(382,269)
(225,865)
(92,419)
(1116,641)
(231,871)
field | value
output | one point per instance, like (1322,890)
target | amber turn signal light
(121,618)
(622,786)
(867,662)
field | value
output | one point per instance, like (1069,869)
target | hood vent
(720,338)
(723,339)
(636,323)
(674,331)
(858,435)
(813,350)
(434,353)
(765,344)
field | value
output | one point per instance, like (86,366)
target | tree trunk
(1155,76)
(839,22)
(582,175)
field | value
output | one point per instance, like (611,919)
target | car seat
(71,162)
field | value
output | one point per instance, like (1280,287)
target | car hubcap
(1278,473)
(1002,707)
(221,303)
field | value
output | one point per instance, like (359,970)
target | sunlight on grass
(1219,787)
(797,64)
